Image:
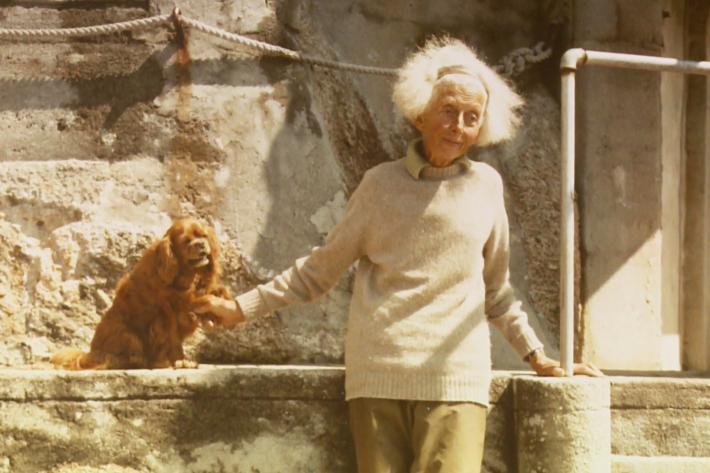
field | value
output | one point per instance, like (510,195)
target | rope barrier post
(180,32)
(176,16)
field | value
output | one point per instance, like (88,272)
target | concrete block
(499,454)
(562,425)
(660,416)
(206,420)
(659,392)
(270,419)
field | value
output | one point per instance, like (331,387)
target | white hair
(421,73)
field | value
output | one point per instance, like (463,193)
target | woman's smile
(452,141)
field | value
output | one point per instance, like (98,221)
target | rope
(86,30)
(272,50)
(514,63)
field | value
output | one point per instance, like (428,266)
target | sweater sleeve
(503,309)
(314,274)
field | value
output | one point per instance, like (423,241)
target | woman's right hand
(221,312)
(546,366)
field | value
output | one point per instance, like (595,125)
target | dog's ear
(214,247)
(167,263)
(214,270)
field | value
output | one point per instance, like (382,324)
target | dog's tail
(73,359)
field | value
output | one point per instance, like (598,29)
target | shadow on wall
(289,170)
(111,102)
(325,142)
(119,91)
(300,420)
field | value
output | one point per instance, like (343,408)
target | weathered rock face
(267,419)
(276,419)
(203,420)
(104,140)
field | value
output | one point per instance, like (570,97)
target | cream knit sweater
(432,252)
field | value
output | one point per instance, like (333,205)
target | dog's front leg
(162,334)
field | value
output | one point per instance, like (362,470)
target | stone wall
(277,419)
(267,419)
(105,139)
(642,179)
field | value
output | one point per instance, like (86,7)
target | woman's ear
(167,263)
(418,123)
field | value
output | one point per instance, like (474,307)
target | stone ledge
(272,418)
(660,393)
(266,418)
(660,416)
(636,464)
(559,394)
(298,382)
(286,382)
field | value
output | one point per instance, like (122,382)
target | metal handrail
(571,61)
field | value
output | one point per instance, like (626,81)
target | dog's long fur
(151,313)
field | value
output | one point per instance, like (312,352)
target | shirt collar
(415,162)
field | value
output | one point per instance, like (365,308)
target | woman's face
(451,122)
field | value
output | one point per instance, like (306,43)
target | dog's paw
(205,321)
(160,364)
(186,364)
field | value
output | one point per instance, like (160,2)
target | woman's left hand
(546,366)
(217,311)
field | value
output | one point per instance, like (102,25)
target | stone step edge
(660,464)
(317,382)
(246,381)
(255,381)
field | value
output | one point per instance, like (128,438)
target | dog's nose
(201,245)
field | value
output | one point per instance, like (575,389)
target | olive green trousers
(395,436)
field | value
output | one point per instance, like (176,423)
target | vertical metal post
(567,224)
(569,66)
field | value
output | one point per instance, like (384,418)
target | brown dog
(151,312)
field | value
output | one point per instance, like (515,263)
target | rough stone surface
(269,419)
(561,394)
(661,417)
(173,435)
(208,420)
(277,382)
(202,419)
(499,448)
(661,392)
(532,177)
(563,425)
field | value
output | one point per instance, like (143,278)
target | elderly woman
(430,235)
